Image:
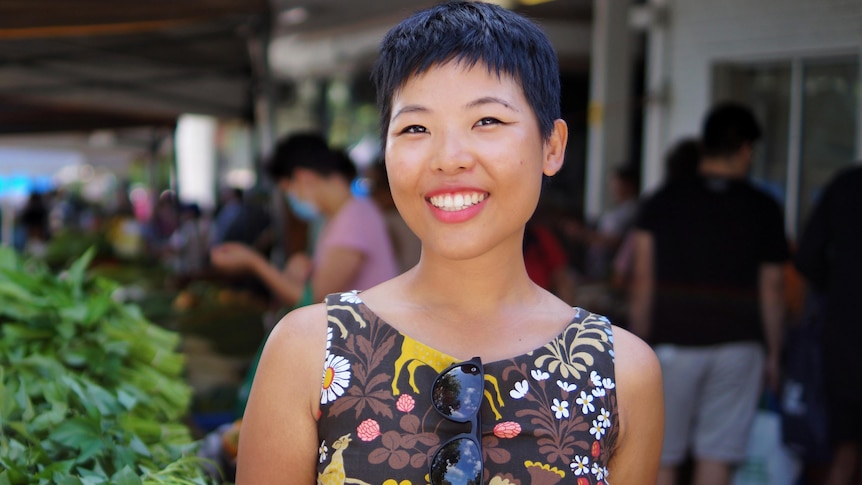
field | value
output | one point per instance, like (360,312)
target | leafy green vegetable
(91,392)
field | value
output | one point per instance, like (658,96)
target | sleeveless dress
(549,416)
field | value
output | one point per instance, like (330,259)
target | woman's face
(465,159)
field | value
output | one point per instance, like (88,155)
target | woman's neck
(478,285)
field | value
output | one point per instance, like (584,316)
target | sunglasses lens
(458,462)
(457,393)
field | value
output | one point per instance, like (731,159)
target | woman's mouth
(457,202)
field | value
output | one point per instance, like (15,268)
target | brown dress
(549,416)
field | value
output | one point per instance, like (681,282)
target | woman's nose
(452,153)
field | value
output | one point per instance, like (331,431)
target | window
(808,109)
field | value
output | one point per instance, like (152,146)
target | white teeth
(456,202)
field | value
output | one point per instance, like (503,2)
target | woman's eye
(488,121)
(414,129)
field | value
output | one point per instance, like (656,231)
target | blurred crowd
(700,268)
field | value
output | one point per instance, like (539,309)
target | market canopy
(84,65)
(89,64)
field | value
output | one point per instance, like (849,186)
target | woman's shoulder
(299,338)
(633,356)
(641,408)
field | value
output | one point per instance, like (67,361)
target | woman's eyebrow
(490,100)
(410,108)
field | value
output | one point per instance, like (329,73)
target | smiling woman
(460,370)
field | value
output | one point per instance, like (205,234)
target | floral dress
(549,416)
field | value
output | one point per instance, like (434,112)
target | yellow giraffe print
(415,354)
(334,473)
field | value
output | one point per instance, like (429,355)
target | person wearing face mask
(351,249)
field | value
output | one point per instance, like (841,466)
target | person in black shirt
(708,295)
(829,258)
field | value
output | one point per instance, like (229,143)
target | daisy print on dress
(336,378)
(561,409)
(580,465)
(395,434)
(366,345)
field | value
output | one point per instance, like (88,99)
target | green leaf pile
(91,392)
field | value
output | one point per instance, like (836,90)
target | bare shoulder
(638,374)
(634,358)
(301,326)
(279,427)
(641,410)
(297,347)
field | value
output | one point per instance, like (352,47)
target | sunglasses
(457,395)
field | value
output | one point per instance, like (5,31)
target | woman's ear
(555,148)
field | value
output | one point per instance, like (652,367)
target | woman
(461,370)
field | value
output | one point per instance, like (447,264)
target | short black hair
(311,151)
(728,126)
(470,33)
(683,159)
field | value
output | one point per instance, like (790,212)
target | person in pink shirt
(352,250)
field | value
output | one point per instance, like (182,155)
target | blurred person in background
(708,294)
(162,224)
(681,166)
(352,249)
(545,258)
(187,247)
(32,229)
(406,245)
(229,210)
(682,163)
(830,258)
(604,241)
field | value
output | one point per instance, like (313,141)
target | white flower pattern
(586,403)
(539,374)
(597,429)
(580,465)
(579,384)
(604,418)
(351,297)
(520,390)
(566,386)
(322,451)
(598,471)
(561,409)
(336,377)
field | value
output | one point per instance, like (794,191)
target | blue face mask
(306,211)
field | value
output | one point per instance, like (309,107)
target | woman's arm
(278,437)
(643,284)
(641,411)
(236,257)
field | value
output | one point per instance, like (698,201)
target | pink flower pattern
(368,430)
(523,441)
(405,403)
